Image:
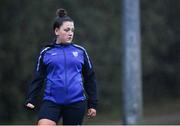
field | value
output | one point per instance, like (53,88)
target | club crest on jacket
(75,54)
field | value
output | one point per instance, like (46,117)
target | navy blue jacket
(68,75)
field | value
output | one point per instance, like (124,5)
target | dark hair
(61,16)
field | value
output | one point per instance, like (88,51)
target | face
(65,32)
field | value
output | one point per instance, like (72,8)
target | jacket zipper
(65,67)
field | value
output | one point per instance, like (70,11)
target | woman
(68,74)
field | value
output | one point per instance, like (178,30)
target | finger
(94,114)
(91,115)
(89,112)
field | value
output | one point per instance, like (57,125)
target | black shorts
(71,114)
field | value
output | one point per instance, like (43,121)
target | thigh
(49,110)
(73,114)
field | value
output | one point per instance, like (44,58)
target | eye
(69,29)
(72,30)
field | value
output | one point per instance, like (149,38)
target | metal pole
(131,63)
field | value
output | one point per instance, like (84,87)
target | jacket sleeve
(37,83)
(89,82)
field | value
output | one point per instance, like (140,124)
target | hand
(91,113)
(31,106)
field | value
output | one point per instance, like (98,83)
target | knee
(47,122)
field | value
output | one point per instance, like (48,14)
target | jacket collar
(62,44)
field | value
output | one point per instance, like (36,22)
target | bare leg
(46,122)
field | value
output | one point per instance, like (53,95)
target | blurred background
(26,26)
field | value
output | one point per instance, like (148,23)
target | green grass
(156,109)
(105,118)
(162,107)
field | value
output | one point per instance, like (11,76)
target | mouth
(69,38)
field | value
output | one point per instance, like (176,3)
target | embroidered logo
(53,54)
(75,54)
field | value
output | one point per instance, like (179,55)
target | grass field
(164,112)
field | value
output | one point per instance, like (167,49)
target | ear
(56,31)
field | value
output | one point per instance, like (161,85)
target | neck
(63,43)
(58,42)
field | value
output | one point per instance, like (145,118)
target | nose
(70,33)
